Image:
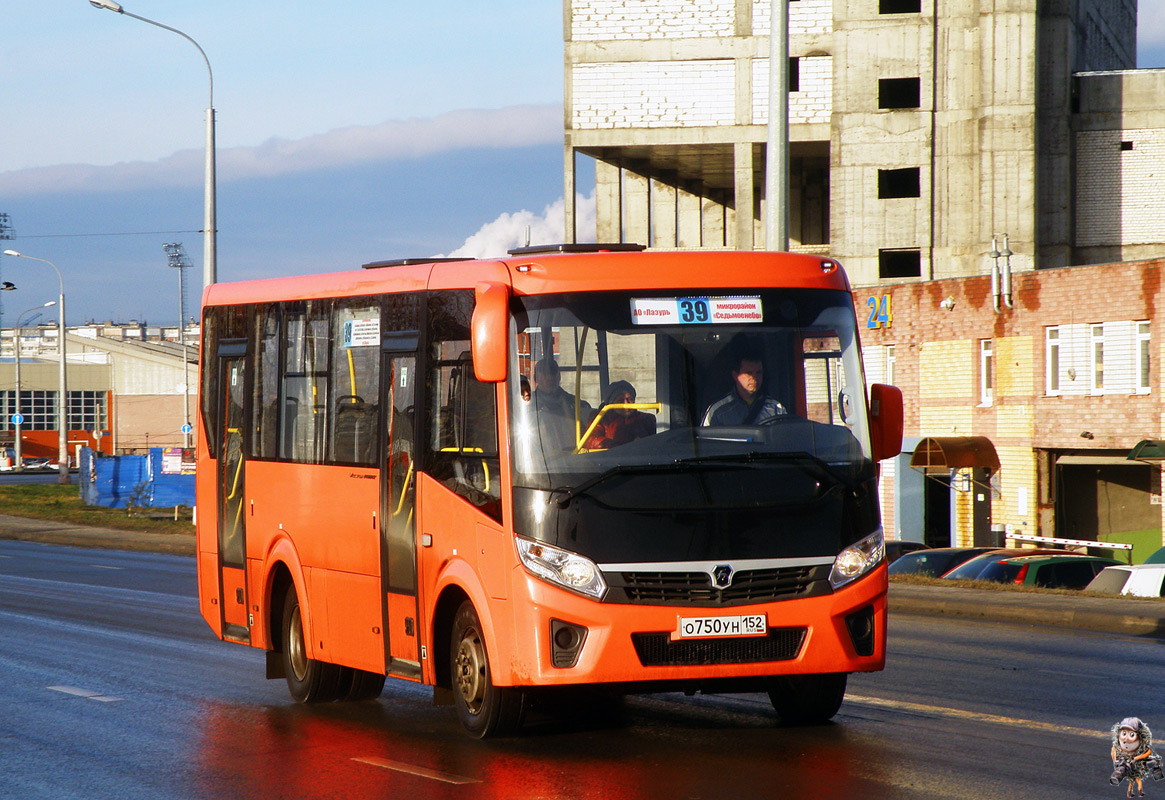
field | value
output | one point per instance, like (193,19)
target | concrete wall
(1119,143)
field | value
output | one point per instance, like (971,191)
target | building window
(898,93)
(1052,361)
(899,263)
(1143,357)
(1126,146)
(899,183)
(1097,359)
(899,6)
(794,74)
(87,411)
(986,371)
(890,364)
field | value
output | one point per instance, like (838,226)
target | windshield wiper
(568,494)
(800,457)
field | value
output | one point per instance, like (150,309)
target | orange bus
(644,471)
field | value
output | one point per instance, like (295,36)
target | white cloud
(516,126)
(495,239)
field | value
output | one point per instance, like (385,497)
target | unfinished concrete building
(919,129)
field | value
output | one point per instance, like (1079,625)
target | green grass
(52,501)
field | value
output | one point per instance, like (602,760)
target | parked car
(1051,569)
(896,548)
(1139,580)
(1158,557)
(935,561)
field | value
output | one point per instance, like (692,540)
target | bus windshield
(620,395)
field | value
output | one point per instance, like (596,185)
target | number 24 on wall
(880,315)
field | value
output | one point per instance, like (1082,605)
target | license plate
(724,626)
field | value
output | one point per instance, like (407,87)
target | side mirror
(885,420)
(491,329)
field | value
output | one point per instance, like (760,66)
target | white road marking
(86,693)
(975,716)
(104,566)
(411,769)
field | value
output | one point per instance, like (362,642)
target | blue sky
(347,132)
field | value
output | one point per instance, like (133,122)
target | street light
(209,225)
(18,417)
(63,399)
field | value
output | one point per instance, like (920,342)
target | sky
(346,133)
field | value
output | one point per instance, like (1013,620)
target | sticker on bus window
(362,332)
(695,310)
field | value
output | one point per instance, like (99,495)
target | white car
(1140,580)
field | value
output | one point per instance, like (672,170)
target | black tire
(308,680)
(807,699)
(484,709)
(357,685)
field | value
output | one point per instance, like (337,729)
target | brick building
(1063,383)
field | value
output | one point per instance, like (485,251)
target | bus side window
(305,384)
(463,411)
(355,382)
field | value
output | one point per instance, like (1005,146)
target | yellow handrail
(404,490)
(656,407)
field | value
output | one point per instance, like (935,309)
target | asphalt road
(112,686)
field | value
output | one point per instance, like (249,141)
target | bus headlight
(562,568)
(858,559)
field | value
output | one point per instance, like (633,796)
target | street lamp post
(63,398)
(18,417)
(209,226)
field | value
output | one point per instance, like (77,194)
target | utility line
(84,235)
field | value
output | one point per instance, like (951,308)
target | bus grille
(658,650)
(695,588)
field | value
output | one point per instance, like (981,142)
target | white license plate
(724,626)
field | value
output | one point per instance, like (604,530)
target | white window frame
(986,371)
(1052,354)
(890,361)
(1144,363)
(1096,358)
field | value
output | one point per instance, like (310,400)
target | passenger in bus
(525,382)
(620,425)
(747,403)
(555,408)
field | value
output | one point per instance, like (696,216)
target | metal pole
(185,364)
(777,146)
(209,226)
(20,425)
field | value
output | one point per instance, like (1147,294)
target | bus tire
(357,685)
(807,699)
(308,680)
(484,709)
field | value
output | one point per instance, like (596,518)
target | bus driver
(746,403)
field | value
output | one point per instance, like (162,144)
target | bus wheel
(484,709)
(807,699)
(357,685)
(308,680)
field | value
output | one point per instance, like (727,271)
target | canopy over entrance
(1150,450)
(941,454)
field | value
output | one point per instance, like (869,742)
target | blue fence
(163,479)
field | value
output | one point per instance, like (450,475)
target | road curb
(49,532)
(1132,617)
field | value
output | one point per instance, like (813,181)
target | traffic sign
(17,419)
(187,428)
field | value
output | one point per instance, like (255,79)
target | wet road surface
(112,685)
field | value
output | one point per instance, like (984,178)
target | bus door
(398,513)
(232,519)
